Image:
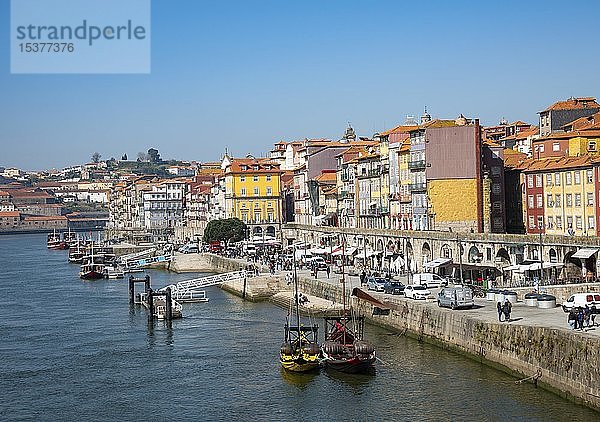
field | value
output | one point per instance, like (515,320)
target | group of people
(580,317)
(504,310)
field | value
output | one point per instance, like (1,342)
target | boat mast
(297,299)
(344,287)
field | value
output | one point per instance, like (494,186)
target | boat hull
(351,365)
(299,363)
(91,275)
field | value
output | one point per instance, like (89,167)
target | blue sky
(245,74)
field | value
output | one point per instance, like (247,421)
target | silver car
(455,297)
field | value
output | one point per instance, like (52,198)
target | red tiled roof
(262,163)
(10,214)
(512,158)
(45,218)
(574,103)
(326,176)
(556,163)
(400,129)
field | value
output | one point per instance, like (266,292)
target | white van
(579,300)
(429,280)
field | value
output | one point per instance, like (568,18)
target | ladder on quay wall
(188,291)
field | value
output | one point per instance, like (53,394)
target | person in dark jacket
(507,308)
(572,319)
(580,318)
(499,306)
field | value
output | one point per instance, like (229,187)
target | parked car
(416,291)
(215,247)
(456,297)
(581,299)
(394,288)
(430,280)
(189,248)
(376,283)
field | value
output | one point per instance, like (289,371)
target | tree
(229,230)
(124,157)
(154,156)
(142,156)
(96,157)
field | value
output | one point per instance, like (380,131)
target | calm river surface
(75,350)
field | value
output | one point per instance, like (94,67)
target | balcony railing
(416,165)
(405,198)
(415,187)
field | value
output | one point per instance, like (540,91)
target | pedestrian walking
(363,276)
(328,271)
(499,306)
(572,319)
(507,308)
(580,318)
(593,315)
(316,272)
(586,315)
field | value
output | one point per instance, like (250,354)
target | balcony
(417,187)
(344,194)
(405,198)
(416,165)
(344,177)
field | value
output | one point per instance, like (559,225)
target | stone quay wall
(562,361)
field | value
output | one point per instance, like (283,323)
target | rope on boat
(535,377)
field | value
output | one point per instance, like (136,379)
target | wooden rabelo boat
(344,348)
(300,349)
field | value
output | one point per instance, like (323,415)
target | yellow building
(568,195)
(404,198)
(252,193)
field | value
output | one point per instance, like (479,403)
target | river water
(75,350)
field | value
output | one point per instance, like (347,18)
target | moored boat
(54,241)
(300,349)
(92,267)
(344,348)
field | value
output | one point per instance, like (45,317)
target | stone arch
(271,231)
(257,230)
(553,255)
(573,267)
(426,252)
(446,251)
(474,254)
(379,245)
(502,257)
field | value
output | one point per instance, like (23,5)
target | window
(577,199)
(529,180)
(548,179)
(243,191)
(569,200)
(255,178)
(539,200)
(244,167)
(497,205)
(559,222)
(589,175)
(549,200)
(255,191)
(531,222)
(269,191)
(242,178)
(257,217)
(568,177)
(578,223)
(538,180)
(557,200)
(592,146)
(577,177)
(530,201)
(555,146)
(590,199)
(591,222)
(569,222)
(550,222)
(496,170)
(255,168)
(243,205)
(496,189)
(540,222)
(557,179)
(268,177)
